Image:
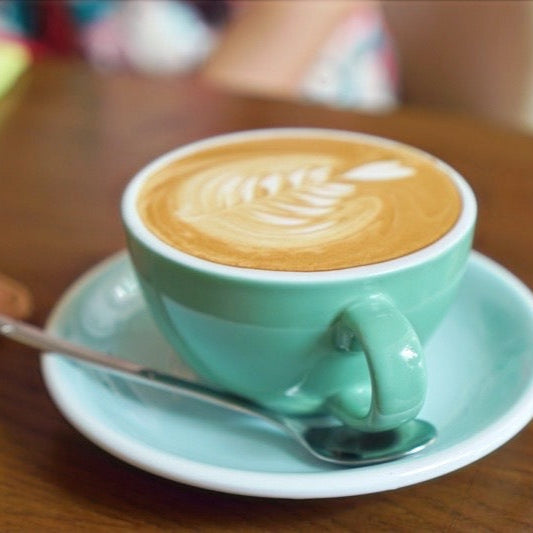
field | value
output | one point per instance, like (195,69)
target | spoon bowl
(325,437)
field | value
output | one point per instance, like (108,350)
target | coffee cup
(303,269)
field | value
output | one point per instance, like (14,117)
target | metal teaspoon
(324,437)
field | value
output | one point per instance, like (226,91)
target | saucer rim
(336,483)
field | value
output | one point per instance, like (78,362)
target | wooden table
(69,141)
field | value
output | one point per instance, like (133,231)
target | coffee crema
(300,204)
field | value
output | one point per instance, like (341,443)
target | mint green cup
(346,342)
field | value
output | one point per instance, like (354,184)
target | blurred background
(470,56)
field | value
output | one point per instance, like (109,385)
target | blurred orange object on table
(15,298)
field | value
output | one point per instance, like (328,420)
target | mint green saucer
(480,367)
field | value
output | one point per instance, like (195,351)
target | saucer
(480,372)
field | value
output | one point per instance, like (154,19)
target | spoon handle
(37,338)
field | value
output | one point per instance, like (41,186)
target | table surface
(70,139)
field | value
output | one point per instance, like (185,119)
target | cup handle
(395,361)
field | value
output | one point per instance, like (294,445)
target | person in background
(335,52)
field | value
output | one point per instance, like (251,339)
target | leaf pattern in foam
(298,197)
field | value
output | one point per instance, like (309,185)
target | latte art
(296,197)
(299,204)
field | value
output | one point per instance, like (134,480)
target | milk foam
(299,204)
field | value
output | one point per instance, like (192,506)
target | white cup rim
(135,225)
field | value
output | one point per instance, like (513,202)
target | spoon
(324,437)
